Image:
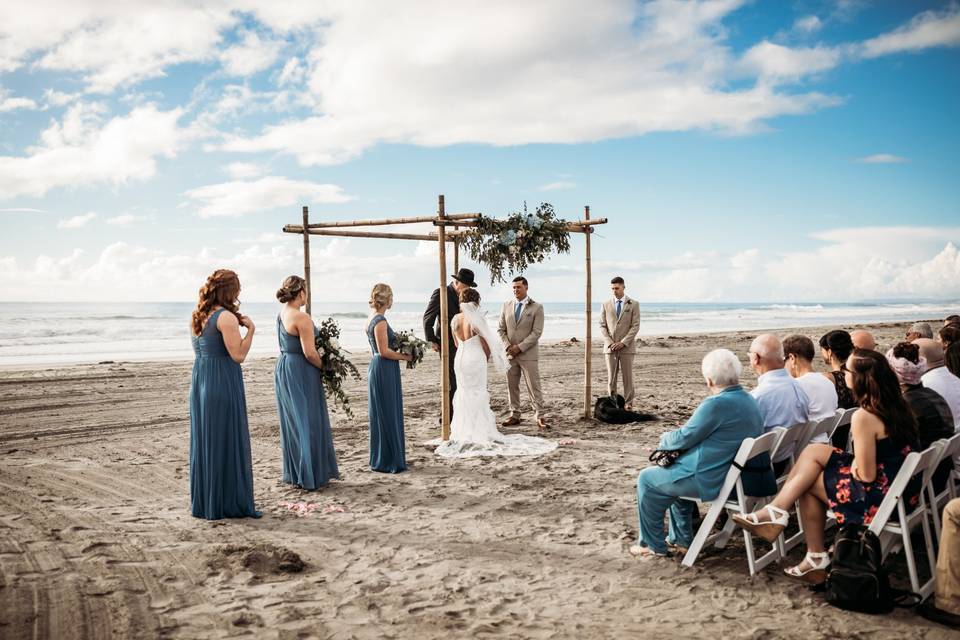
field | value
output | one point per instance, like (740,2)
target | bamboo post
(306,256)
(588,353)
(456,250)
(444,326)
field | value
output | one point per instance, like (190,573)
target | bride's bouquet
(410,344)
(335,367)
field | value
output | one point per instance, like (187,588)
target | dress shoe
(542,424)
(510,422)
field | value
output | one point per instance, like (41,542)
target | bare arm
(308,343)
(383,343)
(865,427)
(229,327)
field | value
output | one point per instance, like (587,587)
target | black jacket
(431,317)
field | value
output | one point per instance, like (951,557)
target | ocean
(40,333)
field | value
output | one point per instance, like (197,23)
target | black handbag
(665,458)
(857,580)
(757,476)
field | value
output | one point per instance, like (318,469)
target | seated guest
(710,440)
(863,339)
(835,347)
(919,330)
(945,607)
(820,391)
(950,340)
(939,378)
(884,432)
(949,320)
(934,419)
(949,334)
(782,400)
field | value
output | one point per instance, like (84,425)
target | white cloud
(80,151)
(777,62)
(925,30)
(15,103)
(883,158)
(21,210)
(293,72)
(54,98)
(557,186)
(76,221)
(807,24)
(125,219)
(243,170)
(251,55)
(240,197)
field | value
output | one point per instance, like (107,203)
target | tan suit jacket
(623,329)
(525,333)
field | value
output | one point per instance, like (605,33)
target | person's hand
(435,347)
(513,350)
(245,321)
(854,471)
(408,357)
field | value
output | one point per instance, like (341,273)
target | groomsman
(619,324)
(521,325)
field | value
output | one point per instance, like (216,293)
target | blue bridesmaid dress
(306,441)
(386,407)
(221,471)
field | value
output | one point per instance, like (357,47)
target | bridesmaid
(221,471)
(306,442)
(383,379)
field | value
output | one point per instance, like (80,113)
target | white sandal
(818,561)
(769,530)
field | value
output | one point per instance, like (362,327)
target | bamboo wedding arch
(442,236)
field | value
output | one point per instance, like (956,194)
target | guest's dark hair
(838,342)
(954,319)
(799,346)
(951,358)
(876,389)
(470,295)
(292,286)
(220,290)
(949,334)
(521,279)
(617,280)
(907,350)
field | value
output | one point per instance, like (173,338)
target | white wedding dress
(473,430)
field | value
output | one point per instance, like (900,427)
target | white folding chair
(845,418)
(825,427)
(733,499)
(949,448)
(793,440)
(895,534)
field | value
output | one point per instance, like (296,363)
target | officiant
(431,320)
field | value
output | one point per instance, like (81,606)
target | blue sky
(743,151)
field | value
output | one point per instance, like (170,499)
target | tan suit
(524,333)
(623,329)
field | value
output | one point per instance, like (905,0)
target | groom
(521,325)
(431,319)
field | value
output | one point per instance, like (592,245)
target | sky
(742,151)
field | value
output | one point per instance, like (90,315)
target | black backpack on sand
(857,580)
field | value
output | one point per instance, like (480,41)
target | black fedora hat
(466,277)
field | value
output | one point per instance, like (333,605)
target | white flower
(334,344)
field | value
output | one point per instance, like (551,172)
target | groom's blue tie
(618,308)
(516,312)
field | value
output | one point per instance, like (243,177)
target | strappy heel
(769,530)
(818,561)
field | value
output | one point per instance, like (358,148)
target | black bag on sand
(857,580)
(610,410)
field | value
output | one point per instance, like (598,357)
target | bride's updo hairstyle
(470,295)
(381,296)
(221,289)
(292,287)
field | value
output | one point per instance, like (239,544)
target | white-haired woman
(709,441)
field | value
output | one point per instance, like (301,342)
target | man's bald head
(766,353)
(863,340)
(932,351)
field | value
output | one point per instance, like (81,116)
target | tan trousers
(531,374)
(620,363)
(948,561)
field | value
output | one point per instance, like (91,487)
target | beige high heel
(818,561)
(769,530)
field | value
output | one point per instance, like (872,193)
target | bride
(473,430)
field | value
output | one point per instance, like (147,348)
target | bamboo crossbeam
(574,227)
(290,228)
(388,221)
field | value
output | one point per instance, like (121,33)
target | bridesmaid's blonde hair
(381,296)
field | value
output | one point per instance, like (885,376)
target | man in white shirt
(782,400)
(939,378)
(799,353)
(619,324)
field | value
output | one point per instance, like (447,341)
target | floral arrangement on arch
(510,246)
(335,367)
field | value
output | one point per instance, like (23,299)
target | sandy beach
(96,538)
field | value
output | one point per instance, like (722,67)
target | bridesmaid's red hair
(220,289)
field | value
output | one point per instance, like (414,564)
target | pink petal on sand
(567,441)
(334,508)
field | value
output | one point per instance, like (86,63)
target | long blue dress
(386,406)
(221,471)
(306,441)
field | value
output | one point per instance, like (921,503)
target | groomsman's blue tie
(516,312)
(618,308)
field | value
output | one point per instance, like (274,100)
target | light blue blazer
(711,438)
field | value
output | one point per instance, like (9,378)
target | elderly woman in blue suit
(710,440)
